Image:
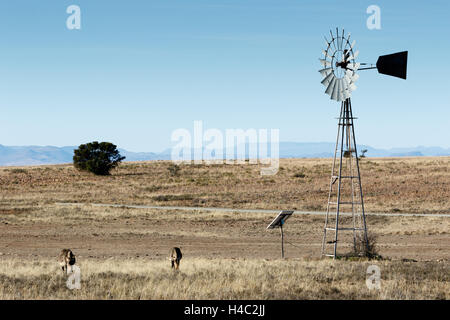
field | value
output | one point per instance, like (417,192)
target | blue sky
(138,70)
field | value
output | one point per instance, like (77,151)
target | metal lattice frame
(348,196)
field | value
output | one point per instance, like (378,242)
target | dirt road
(148,233)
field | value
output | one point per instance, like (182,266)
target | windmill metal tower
(345,192)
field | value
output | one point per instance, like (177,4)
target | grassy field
(389,184)
(122,252)
(225,279)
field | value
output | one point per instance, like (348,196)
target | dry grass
(390,185)
(225,279)
(122,251)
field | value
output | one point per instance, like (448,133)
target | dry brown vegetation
(224,279)
(418,185)
(122,252)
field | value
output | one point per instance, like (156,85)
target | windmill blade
(326,54)
(327,43)
(332,40)
(354,77)
(347,40)
(348,78)
(345,89)
(349,75)
(340,95)
(353,66)
(330,87)
(346,94)
(348,88)
(325,72)
(350,67)
(354,56)
(346,81)
(353,44)
(325,62)
(327,79)
(334,94)
(337,38)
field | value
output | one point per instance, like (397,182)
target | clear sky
(138,70)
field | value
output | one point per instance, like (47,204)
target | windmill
(339,77)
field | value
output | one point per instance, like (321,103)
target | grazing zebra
(175,257)
(66,258)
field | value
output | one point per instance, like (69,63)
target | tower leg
(359,180)
(332,182)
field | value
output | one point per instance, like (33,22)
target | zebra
(175,257)
(66,258)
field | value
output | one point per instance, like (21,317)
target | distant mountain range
(38,155)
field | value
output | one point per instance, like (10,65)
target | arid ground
(122,252)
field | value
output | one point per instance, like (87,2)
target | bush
(174,169)
(98,158)
(363,154)
(299,175)
(173,197)
(19,171)
(369,250)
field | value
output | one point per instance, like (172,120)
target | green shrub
(98,158)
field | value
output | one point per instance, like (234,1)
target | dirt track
(97,232)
